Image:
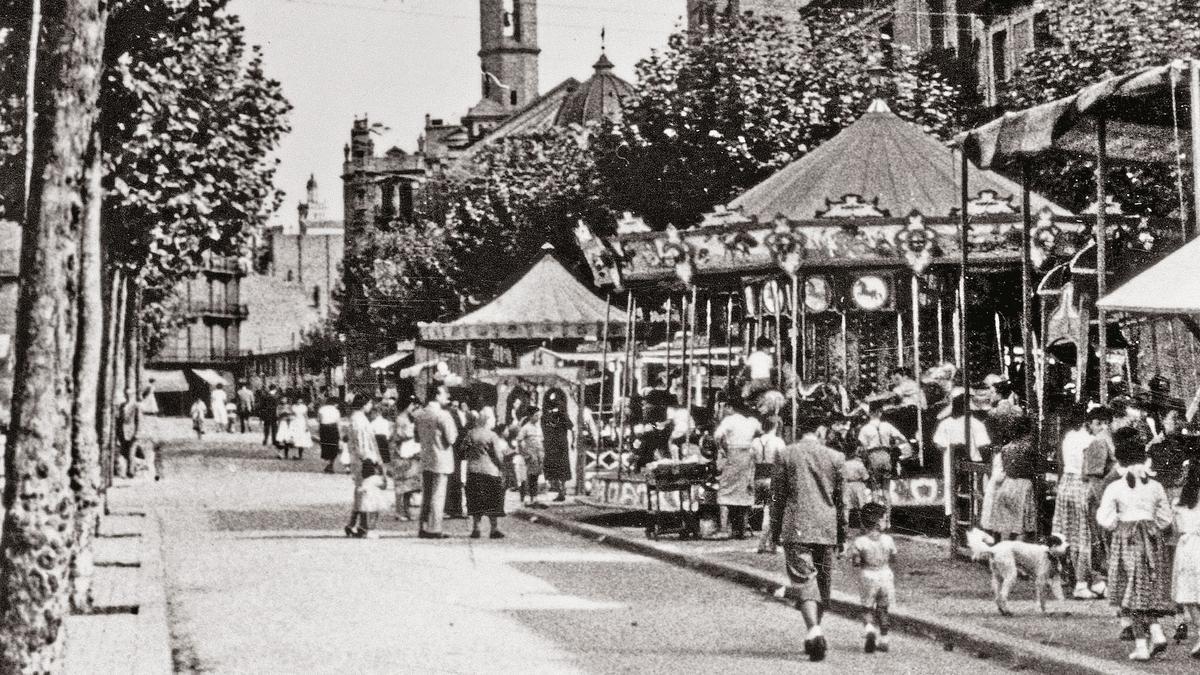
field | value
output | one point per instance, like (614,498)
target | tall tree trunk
(35,548)
(85,448)
(104,411)
(117,368)
(133,313)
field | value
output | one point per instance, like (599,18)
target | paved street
(261,580)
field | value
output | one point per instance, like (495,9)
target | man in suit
(268,404)
(808,518)
(436,432)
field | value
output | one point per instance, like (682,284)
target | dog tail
(980,543)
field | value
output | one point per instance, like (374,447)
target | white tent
(1170,287)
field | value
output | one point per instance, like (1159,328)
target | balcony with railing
(223,265)
(197,355)
(218,310)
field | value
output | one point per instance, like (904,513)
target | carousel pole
(581,459)
(845,350)
(1101,257)
(964,245)
(941,329)
(777,300)
(669,341)
(625,386)
(916,365)
(899,339)
(729,345)
(797,358)
(1194,97)
(708,346)
(689,357)
(1027,334)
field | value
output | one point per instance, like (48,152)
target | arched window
(316,296)
(512,95)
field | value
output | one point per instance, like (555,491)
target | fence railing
(230,310)
(196,355)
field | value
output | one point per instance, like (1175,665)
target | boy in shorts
(873,552)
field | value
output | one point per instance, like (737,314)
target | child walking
(197,412)
(1187,551)
(1136,510)
(873,553)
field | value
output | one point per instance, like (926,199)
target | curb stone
(983,642)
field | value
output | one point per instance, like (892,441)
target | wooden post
(1027,287)
(899,338)
(778,311)
(941,329)
(689,357)
(845,351)
(708,361)
(916,364)
(1101,258)
(625,397)
(728,345)
(670,337)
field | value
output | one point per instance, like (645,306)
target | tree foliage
(1090,40)
(717,113)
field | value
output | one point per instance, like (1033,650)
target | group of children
(292,436)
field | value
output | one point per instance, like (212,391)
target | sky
(396,60)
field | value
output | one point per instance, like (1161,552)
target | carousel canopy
(891,164)
(1139,110)
(1170,287)
(546,303)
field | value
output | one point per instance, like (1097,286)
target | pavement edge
(983,642)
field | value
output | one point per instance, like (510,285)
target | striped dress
(1139,580)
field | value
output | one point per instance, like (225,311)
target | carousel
(544,316)
(881,253)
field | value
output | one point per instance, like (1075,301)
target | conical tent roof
(878,157)
(1170,287)
(547,302)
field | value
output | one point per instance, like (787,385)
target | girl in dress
(1187,551)
(406,459)
(1136,510)
(529,443)
(283,437)
(301,437)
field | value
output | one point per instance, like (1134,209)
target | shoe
(1126,634)
(1181,632)
(279,455)
(496,534)
(883,644)
(869,640)
(328,469)
(432,535)
(474,534)
(1082,592)
(815,648)
(351,531)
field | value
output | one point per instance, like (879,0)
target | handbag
(409,449)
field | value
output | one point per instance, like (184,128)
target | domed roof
(600,96)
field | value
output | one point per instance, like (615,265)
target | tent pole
(689,358)
(916,365)
(777,301)
(1101,257)
(625,386)
(845,350)
(600,402)
(729,345)
(1027,284)
(669,340)
(1194,92)
(899,338)
(941,329)
(964,245)
(708,361)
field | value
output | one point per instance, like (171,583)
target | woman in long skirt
(485,484)
(1071,505)
(1013,512)
(556,439)
(529,443)
(1136,510)
(301,436)
(328,433)
(406,459)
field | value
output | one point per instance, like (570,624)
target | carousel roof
(1170,287)
(888,162)
(547,302)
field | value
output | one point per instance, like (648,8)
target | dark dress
(485,486)
(557,447)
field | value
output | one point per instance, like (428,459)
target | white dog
(1007,558)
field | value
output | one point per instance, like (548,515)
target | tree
(1087,42)
(36,546)
(713,115)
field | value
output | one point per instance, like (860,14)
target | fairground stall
(854,261)
(1141,117)
(529,334)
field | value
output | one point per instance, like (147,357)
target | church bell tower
(508,51)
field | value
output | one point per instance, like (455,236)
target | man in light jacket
(808,518)
(436,432)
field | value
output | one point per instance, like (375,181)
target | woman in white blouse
(1136,510)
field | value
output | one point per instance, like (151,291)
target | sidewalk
(946,600)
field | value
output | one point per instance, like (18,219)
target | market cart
(684,480)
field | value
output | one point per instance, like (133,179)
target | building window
(1000,70)
(512,19)
(1041,30)
(512,96)
(289,275)
(405,206)
(316,296)
(937,24)
(487,86)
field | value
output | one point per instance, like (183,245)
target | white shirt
(381,426)
(1073,445)
(737,430)
(1143,501)
(683,421)
(766,447)
(949,432)
(328,414)
(760,364)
